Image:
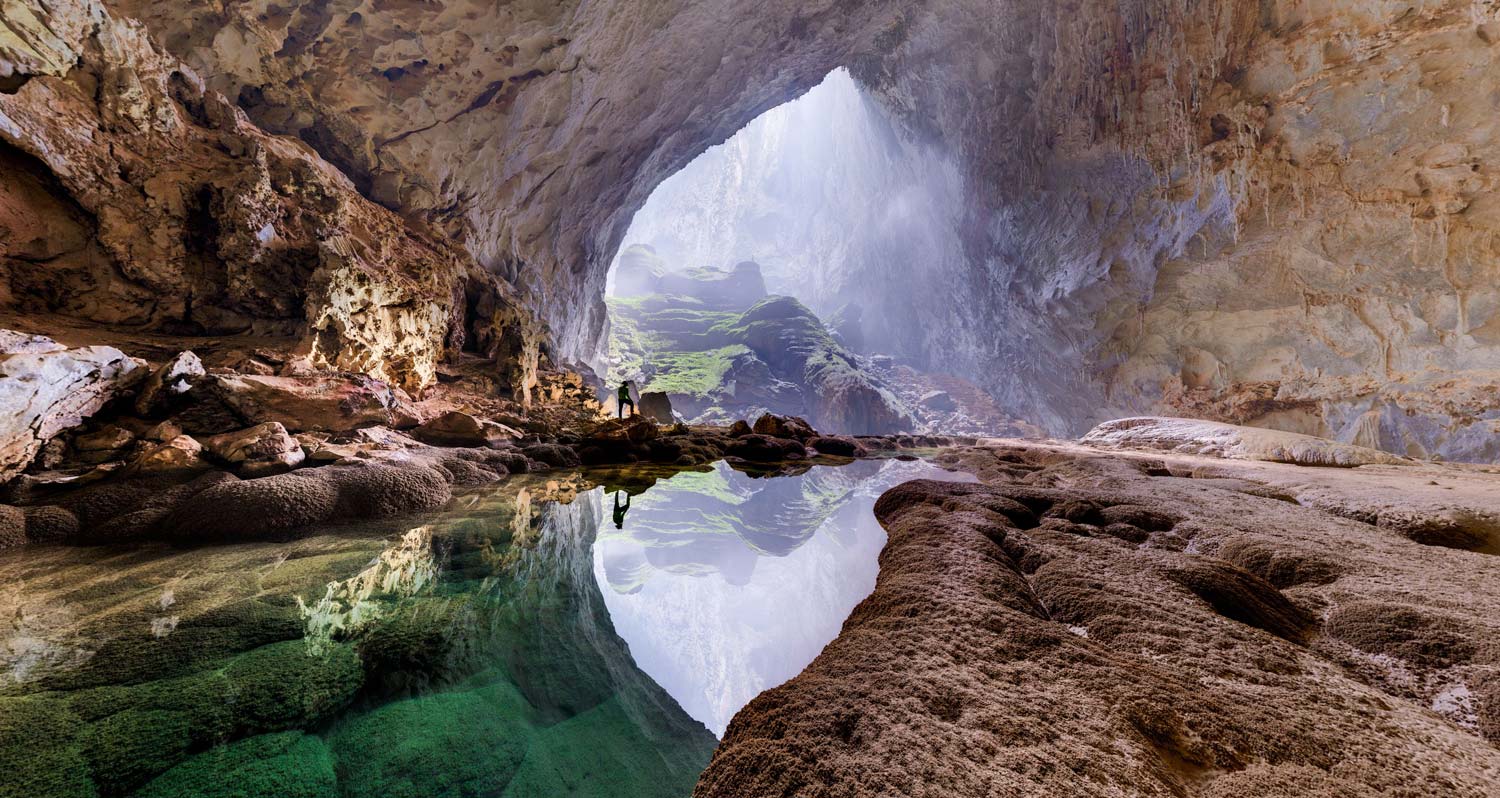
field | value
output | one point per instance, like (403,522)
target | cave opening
(783,271)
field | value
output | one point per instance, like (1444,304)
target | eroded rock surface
(1192,436)
(1075,625)
(46,388)
(1155,207)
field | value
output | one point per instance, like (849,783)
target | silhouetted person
(620,511)
(625,399)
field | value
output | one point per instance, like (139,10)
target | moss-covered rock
(40,752)
(292,685)
(126,749)
(463,743)
(602,752)
(285,765)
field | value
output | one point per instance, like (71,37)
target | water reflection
(478,651)
(725,585)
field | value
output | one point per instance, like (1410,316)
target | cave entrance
(784,271)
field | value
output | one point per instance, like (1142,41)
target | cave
(820,205)
(820,398)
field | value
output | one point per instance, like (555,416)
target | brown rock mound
(1010,648)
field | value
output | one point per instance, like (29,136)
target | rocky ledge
(1086,622)
(107,448)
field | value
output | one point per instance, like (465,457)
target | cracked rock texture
(46,388)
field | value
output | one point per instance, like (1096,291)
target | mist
(835,206)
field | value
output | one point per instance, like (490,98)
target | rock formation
(720,349)
(46,388)
(1105,157)
(1087,624)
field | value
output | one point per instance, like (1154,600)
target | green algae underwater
(469,655)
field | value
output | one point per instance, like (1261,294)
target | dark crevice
(10,84)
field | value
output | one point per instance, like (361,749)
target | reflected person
(620,511)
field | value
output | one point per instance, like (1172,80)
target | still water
(575,633)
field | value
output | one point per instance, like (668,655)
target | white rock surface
(1192,436)
(46,388)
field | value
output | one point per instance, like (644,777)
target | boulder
(765,448)
(46,388)
(784,427)
(553,454)
(939,401)
(179,455)
(332,402)
(837,445)
(109,442)
(456,428)
(632,430)
(22,525)
(257,451)
(740,429)
(656,406)
(166,387)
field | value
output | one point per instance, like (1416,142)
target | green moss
(40,754)
(285,765)
(696,374)
(288,685)
(132,654)
(127,749)
(463,743)
(601,752)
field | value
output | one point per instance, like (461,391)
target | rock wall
(1266,213)
(135,196)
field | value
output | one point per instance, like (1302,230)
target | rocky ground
(1147,622)
(104,447)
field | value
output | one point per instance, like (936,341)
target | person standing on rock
(624,396)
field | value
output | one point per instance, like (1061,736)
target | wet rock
(656,406)
(274,506)
(257,451)
(456,428)
(12,526)
(47,388)
(784,427)
(765,448)
(553,454)
(837,445)
(163,391)
(1421,637)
